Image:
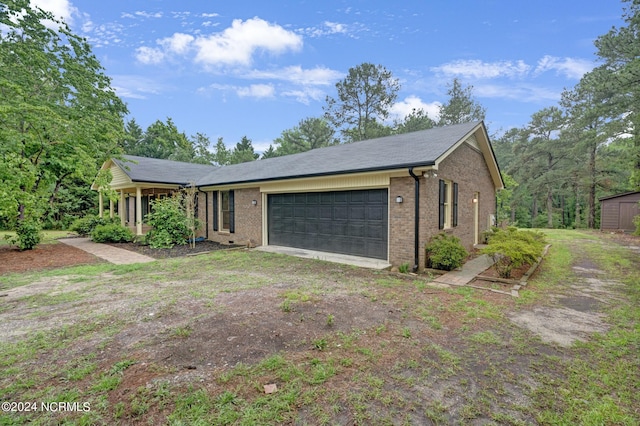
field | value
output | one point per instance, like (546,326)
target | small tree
(190,195)
(169,221)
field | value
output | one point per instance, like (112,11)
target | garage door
(346,222)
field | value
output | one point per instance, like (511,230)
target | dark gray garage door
(347,222)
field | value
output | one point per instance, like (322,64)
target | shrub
(512,248)
(86,225)
(111,233)
(446,252)
(169,222)
(636,221)
(27,236)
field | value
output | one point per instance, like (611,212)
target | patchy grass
(48,236)
(195,340)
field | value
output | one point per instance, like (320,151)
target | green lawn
(47,236)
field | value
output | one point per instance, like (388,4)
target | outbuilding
(618,211)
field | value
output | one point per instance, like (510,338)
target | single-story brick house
(617,211)
(382,198)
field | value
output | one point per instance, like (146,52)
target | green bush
(86,225)
(636,221)
(111,233)
(27,236)
(445,252)
(169,222)
(512,248)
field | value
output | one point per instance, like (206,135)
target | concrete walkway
(109,253)
(468,272)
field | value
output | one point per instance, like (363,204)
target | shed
(617,211)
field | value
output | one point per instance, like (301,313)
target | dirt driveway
(353,346)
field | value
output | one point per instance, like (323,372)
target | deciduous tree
(59,117)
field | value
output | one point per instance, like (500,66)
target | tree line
(364,102)
(588,145)
(60,120)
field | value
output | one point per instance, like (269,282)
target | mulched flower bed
(44,256)
(175,251)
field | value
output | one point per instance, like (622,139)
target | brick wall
(401,220)
(248,218)
(467,168)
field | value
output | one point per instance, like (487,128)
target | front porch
(133,204)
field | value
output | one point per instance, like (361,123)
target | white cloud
(144,14)
(237,44)
(520,92)
(261,146)
(401,109)
(569,67)
(330,28)
(305,95)
(327,28)
(178,43)
(573,68)
(134,87)
(256,91)
(105,34)
(149,55)
(484,70)
(319,76)
(61,9)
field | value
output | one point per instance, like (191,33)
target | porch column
(121,207)
(100,204)
(111,208)
(138,211)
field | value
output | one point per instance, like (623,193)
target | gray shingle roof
(143,169)
(420,148)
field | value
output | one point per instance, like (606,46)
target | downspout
(416,231)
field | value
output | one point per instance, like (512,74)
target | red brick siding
(247,217)
(466,167)
(401,220)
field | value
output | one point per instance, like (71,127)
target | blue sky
(256,68)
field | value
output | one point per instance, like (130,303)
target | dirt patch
(44,256)
(358,346)
(582,306)
(562,326)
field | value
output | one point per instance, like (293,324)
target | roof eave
(324,174)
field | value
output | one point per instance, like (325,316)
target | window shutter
(232,222)
(214,198)
(455,205)
(441,205)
